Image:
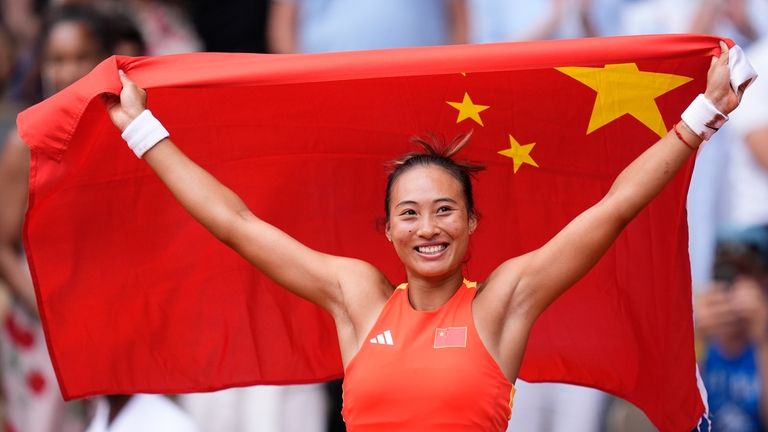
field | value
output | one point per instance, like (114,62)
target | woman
(73,41)
(430,216)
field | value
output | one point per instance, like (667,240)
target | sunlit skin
(429,227)
(71,51)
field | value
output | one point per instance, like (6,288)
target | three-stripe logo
(384,338)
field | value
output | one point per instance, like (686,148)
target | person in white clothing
(747,178)
(139,413)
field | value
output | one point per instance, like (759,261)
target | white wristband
(703,118)
(144,132)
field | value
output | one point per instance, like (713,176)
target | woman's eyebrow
(438,200)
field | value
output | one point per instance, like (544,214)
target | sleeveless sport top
(426,371)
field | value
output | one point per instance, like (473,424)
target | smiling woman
(430,213)
(438,352)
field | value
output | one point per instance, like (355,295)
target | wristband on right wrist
(703,118)
(143,133)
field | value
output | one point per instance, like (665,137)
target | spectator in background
(747,175)
(74,39)
(8,107)
(165,26)
(73,42)
(713,189)
(139,413)
(515,20)
(127,37)
(744,21)
(22,20)
(344,25)
(732,317)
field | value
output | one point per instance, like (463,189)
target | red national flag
(451,337)
(136,297)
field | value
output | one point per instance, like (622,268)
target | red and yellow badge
(451,337)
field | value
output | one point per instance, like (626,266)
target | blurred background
(46,45)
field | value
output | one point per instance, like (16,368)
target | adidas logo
(383,339)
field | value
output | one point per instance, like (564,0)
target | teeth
(431,249)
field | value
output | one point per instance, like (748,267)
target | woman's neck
(426,294)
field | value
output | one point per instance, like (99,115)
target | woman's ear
(386,232)
(472,224)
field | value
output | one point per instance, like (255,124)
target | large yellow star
(624,89)
(520,154)
(467,109)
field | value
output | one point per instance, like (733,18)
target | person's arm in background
(14,176)
(585,18)
(710,12)
(458,21)
(757,142)
(282,26)
(713,312)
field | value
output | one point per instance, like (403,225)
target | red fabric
(136,297)
(414,384)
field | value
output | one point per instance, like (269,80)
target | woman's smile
(432,250)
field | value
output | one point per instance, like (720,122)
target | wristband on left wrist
(703,118)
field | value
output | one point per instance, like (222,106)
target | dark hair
(95,22)
(125,30)
(436,152)
(741,252)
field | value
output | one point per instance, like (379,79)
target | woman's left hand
(719,90)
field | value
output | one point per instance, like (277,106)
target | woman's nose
(428,227)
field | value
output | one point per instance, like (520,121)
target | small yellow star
(624,89)
(520,154)
(467,109)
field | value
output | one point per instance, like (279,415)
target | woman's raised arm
(310,274)
(533,281)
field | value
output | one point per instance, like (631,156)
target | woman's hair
(436,152)
(95,21)
(125,30)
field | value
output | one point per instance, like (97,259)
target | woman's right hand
(126,107)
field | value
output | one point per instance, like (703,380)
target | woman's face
(429,223)
(70,53)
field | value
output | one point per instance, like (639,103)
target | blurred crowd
(46,45)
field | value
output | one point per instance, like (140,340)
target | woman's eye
(444,209)
(408,212)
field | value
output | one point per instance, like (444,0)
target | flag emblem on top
(451,337)
(384,338)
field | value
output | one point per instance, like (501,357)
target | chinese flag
(135,296)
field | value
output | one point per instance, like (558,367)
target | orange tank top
(426,371)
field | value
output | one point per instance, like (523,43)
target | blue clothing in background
(344,25)
(733,387)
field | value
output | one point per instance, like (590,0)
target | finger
(724,52)
(124,78)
